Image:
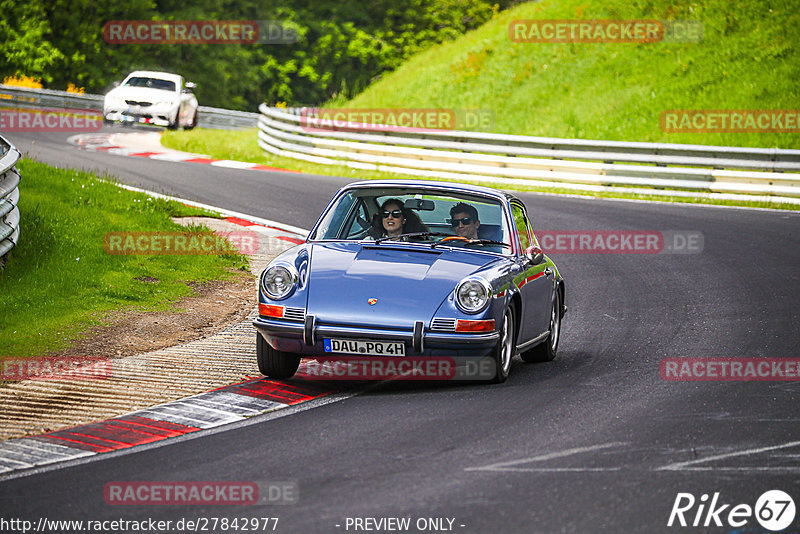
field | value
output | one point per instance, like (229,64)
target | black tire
(547,350)
(173,125)
(504,351)
(274,363)
(193,124)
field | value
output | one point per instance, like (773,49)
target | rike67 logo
(774,511)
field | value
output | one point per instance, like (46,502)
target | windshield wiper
(487,242)
(413,234)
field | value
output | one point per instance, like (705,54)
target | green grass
(749,58)
(59,280)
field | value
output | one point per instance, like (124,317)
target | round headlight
(473,294)
(279,281)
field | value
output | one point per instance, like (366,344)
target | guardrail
(207,117)
(9,198)
(504,158)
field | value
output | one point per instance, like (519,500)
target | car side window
(523,227)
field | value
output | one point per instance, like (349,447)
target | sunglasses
(457,222)
(396,214)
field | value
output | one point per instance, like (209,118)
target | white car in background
(150,97)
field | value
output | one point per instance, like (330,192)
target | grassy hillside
(749,58)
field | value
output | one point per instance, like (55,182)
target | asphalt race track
(298,202)
(595,441)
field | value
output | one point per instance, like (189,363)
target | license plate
(365,348)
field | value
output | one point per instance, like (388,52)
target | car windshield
(438,218)
(152,83)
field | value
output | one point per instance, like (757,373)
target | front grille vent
(447,325)
(136,103)
(294,314)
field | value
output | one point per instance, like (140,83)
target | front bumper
(157,118)
(307,340)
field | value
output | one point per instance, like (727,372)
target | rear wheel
(274,363)
(546,350)
(504,350)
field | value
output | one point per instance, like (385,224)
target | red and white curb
(285,232)
(269,231)
(229,404)
(223,406)
(148,145)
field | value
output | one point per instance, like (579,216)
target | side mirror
(116,84)
(189,87)
(534,255)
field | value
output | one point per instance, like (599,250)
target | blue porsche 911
(412,270)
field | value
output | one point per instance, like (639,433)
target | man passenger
(464,219)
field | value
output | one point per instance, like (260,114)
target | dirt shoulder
(204,341)
(214,305)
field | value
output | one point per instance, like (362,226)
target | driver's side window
(359,224)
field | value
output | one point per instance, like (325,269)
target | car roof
(155,74)
(443,186)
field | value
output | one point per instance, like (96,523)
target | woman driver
(395,220)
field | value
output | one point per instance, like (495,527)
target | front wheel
(546,350)
(173,124)
(274,363)
(504,350)
(193,122)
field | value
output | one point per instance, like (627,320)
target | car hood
(408,283)
(143,94)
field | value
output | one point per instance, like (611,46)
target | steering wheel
(455,238)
